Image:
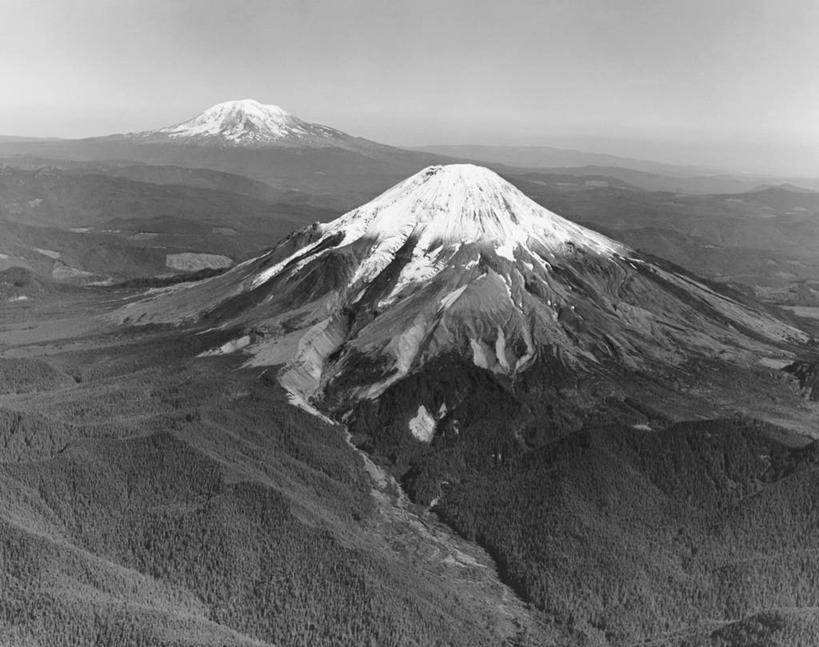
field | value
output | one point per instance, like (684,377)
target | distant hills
(552,157)
(16,140)
(267,143)
(121,223)
(645,174)
(717,224)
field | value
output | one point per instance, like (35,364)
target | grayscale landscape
(506,335)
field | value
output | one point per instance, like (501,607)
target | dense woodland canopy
(182,503)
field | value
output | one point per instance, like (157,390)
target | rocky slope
(457,261)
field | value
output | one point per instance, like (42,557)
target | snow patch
(228,347)
(500,350)
(409,342)
(47,252)
(507,250)
(422,426)
(480,357)
(775,362)
(508,285)
(273,270)
(452,297)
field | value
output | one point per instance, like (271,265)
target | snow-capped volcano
(443,211)
(463,204)
(247,123)
(457,261)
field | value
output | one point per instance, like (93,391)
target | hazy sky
(727,78)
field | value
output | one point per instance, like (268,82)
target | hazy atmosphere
(727,84)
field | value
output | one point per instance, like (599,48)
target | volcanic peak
(246,120)
(464,203)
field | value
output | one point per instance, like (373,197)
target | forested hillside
(147,498)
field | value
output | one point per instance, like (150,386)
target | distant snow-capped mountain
(310,161)
(247,123)
(262,142)
(455,261)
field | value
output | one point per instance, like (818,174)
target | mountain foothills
(93,226)
(510,427)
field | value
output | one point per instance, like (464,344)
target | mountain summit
(462,204)
(455,262)
(247,123)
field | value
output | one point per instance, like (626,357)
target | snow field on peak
(438,211)
(463,203)
(239,121)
